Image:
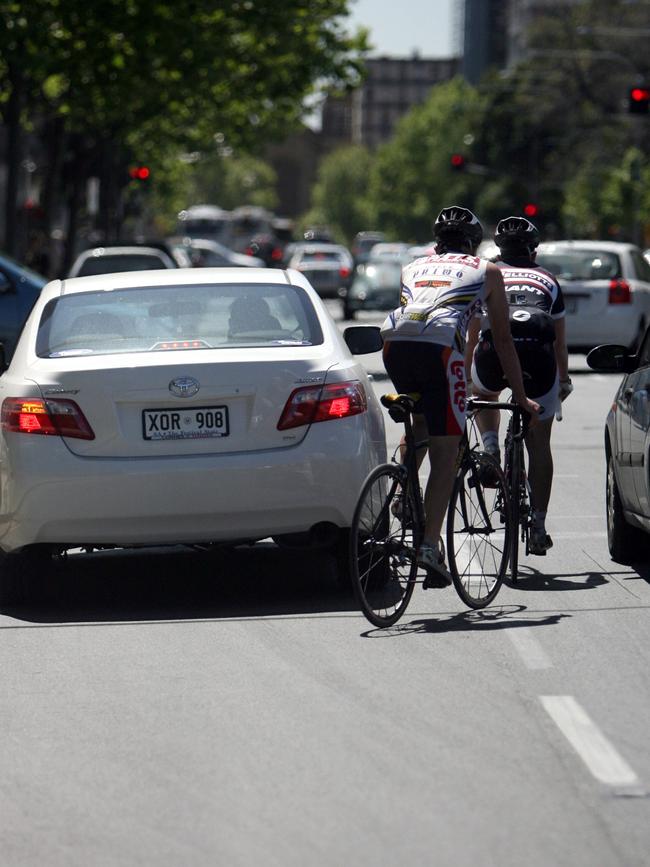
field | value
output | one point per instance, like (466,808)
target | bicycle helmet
(516,232)
(457,222)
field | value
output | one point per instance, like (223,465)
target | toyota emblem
(184,386)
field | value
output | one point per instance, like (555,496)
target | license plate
(197,422)
(570,304)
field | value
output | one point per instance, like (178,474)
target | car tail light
(620,292)
(46,417)
(323,403)
(344,272)
(276,254)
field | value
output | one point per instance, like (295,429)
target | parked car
(328,267)
(376,286)
(606,287)
(111,260)
(19,289)
(212,406)
(627,450)
(204,253)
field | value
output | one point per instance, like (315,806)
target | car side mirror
(612,358)
(363,339)
(5,284)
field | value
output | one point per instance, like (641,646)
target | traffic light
(458,162)
(638,100)
(531,209)
(139,173)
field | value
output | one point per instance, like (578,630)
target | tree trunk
(12,121)
(55,136)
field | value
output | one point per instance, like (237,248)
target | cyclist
(424,341)
(537,323)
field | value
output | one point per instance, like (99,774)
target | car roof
(605,246)
(135,250)
(171,277)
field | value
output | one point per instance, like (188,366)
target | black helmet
(516,232)
(460,223)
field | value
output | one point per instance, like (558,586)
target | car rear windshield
(591,264)
(112,264)
(320,256)
(166,318)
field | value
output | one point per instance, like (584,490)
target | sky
(398,27)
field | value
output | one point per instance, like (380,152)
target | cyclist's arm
(497,306)
(470,343)
(561,351)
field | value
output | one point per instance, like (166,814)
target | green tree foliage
(411,177)
(339,197)
(141,76)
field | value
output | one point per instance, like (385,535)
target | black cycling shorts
(538,367)
(438,374)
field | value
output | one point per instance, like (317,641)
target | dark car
(376,286)
(627,450)
(363,244)
(19,289)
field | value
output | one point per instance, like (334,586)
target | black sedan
(627,451)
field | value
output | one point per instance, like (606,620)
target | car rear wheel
(626,543)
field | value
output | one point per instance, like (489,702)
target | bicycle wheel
(383,545)
(514,492)
(478,529)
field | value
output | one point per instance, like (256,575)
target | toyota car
(183,406)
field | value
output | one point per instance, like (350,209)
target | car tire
(626,543)
(341,552)
(25,575)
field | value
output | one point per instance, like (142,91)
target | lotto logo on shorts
(457,370)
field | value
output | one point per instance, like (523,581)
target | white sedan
(183,406)
(606,288)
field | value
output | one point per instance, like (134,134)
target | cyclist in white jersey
(424,342)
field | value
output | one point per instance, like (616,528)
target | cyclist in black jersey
(538,329)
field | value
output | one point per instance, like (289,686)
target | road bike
(388,524)
(514,464)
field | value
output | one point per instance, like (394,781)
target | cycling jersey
(439,296)
(535,300)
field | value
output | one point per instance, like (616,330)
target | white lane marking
(588,741)
(529,649)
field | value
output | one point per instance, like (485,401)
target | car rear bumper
(616,323)
(51,496)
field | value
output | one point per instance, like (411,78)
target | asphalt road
(177,708)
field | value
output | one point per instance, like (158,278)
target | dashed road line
(598,754)
(529,649)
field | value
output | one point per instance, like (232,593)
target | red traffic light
(531,210)
(640,94)
(638,100)
(457,162)
(139,173)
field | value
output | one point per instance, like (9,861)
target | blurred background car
(19,289)
(204,253)
(266,249)
(109,260)
(363,243)
(395,251)
(606,288)
(375,286)
(627,451)
(205,221)
(328,267)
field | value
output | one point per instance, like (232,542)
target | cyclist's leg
(543,388)
(442,458)
(487,382)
